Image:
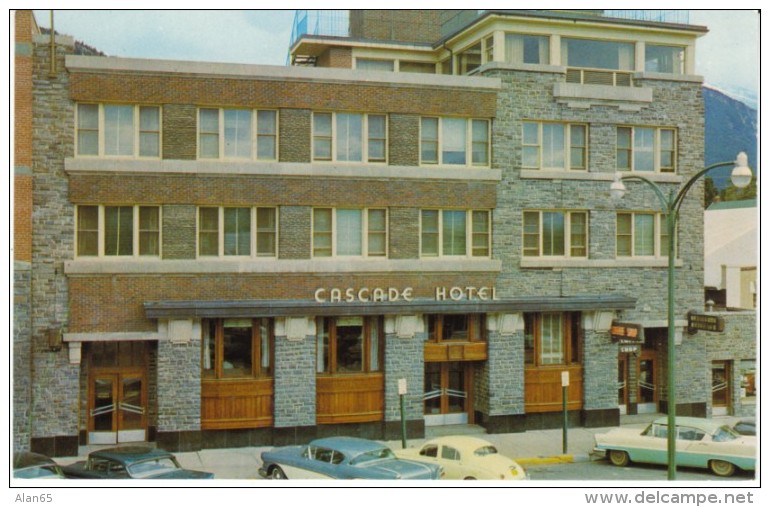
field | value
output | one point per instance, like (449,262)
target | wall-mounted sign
(703,322)
(626,332)
(379,294)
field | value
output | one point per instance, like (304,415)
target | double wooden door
(117,406)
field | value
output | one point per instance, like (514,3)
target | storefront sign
(626,332)
(702,322)
(377,295)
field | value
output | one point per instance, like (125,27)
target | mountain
(731,127)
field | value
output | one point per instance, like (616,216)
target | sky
(727,57)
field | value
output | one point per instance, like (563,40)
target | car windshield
(383,453)
(152,467)
(725,433)
(485,451)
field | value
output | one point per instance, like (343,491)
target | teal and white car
(700,443)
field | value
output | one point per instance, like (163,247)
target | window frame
(658,149)
(366,138)
(567,148)
(569,246)
(476,326)
(329,349)
(660,235)
(254,233)
(366,233)
(254,137)
(101,232)
(470,233)
(257,353)
(470,142)
(570,343)
(101,131)
(679,67)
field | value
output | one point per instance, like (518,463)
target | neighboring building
(253,255)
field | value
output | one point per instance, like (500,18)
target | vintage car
(31,465)
(465,457)
(131,462)
(342,458)
(701,443)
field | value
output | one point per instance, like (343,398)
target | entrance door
(117,407)
(647,395)
(720,387)
(446,393)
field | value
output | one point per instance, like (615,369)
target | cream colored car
(465,457)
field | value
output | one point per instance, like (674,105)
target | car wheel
(721,468)
(470,478)
(277,473)
(619,458)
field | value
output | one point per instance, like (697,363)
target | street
(603,470)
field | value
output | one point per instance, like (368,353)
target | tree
(710,192)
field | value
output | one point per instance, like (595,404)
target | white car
(464,457)
(701,443)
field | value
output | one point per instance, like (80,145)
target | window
(554,146)
(455,232)
(111,231)
(369,64)
(646,149)
(470,59)
(349,137)
(349,344)
(349,232)
(667,59)
(417,67)
(456,327)
(237,134)
(237,348)
(552,338)
(454,141)
(555,234)
(642,235)
(118,130)
(597,54)
(228,231)
(527,49)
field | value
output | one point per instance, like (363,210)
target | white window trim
(656,149)
(567,235)
(135,236)
(136,127)
(364,234)
(567,147)
(468,142)
(468,235)
(334,136)
(221,234)
(221,134)
(659,224)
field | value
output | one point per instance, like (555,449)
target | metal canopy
(295,308)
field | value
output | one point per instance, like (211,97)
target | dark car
(131,462)
(343,458)
(746,427)
(31,465)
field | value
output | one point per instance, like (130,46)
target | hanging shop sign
(380,294)
(626,332)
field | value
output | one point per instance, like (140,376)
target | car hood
(402,469)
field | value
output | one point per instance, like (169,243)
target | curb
(558,459)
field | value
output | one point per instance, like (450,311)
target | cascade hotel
(224,255)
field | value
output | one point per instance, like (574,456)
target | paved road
(603,470)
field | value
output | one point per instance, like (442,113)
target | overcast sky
(728,56)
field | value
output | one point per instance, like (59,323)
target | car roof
(352,446)
(130,454)
(701,423)
(461,441)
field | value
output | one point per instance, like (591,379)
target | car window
(724,434)
(690,434)
(656,430)
(383,453)
(337,458)
(152,467)
(99,465)
(485,451)
(430,451)
(323,454)
(449,453)
(117,470)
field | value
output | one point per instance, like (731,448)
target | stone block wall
(294,402)
(179,395)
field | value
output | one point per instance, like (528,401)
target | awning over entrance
(295,308)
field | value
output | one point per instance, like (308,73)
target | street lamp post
(741,177)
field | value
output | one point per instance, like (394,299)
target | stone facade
(403,360)
(295,398)
(178,395)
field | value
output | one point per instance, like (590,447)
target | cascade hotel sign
(379,294)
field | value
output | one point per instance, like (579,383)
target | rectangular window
(552,338)
(237,134)
(237,348)
(527,49)
(598,54)
(228,231)
(349,232)
(555,234)
(454,141)
(349,345)
(470,59)
(349,137)
(113,231)
(646,149)
(554,146)
(641,235)
(370,64)
(459,327)
(455,233)
(118,130)
(667,59)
